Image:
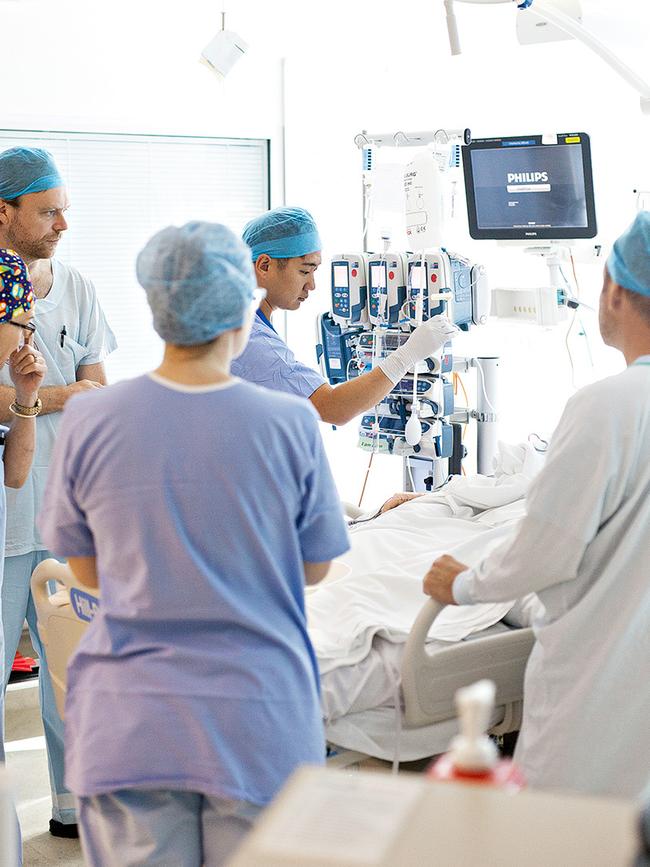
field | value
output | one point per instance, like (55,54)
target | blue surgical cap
(199,282)
(284,233)
(27,170)
(629,261)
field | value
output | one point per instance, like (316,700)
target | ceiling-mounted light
(547,20)
(222,52)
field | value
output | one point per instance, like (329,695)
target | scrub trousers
(132,827)
(18,606)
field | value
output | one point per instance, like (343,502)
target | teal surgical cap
(199,282)
(27,170)
(629,261)
(284,233)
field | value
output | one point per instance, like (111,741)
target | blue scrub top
(268,361)
(200,505)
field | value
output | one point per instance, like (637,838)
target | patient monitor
(536,191)
(530,188)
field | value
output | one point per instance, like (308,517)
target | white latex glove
(423,342)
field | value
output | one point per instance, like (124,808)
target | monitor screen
(341,276)
(521,188)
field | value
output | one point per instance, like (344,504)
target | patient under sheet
(382,593)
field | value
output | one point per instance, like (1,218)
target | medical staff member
(584,549)
(285,246)
(72,334)
(201,504)
(26,369)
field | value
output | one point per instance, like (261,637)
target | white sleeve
(567,503)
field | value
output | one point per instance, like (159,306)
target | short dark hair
(640,303)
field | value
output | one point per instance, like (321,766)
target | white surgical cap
(199,282)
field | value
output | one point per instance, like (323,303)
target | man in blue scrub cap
(285,247)
(73,336)
(201,504)
(584,549)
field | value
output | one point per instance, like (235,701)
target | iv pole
(486,412)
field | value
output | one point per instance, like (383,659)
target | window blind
(122,189)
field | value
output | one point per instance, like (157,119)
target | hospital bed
(428,676)
(429,680)
(397,703)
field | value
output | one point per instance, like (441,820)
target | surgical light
(223,51)
(548,12)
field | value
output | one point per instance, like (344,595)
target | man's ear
(616,296)
(263,263)
(4,212)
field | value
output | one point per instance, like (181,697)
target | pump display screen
(340,275)
(521,188)
(378,276)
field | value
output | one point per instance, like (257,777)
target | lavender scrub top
(200,505)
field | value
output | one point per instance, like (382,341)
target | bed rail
(502,658)
(63,617)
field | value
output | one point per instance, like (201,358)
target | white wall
(385,67)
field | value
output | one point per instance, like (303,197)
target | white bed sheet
(389,557)
(374,732)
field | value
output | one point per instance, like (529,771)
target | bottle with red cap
(472,757)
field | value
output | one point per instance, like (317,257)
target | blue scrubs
(200,505)
(268,361)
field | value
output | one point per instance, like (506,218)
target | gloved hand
(423,342)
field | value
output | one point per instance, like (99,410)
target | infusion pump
(376,301)
(373,289)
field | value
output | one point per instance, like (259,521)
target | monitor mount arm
(547,11)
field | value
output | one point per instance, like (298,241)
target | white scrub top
(200,505)
(268,361)
(584,548)
(71,302)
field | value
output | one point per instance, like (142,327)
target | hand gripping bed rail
(63,617)
(430,679)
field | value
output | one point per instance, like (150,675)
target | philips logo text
(527,177)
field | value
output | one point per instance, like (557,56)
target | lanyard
(264,319)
